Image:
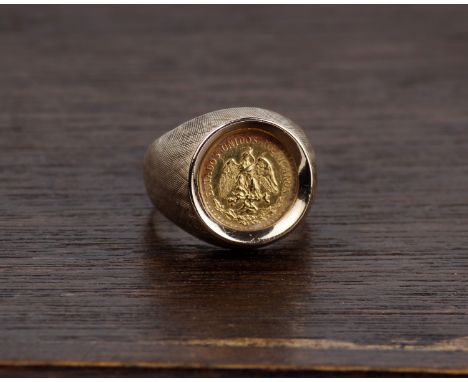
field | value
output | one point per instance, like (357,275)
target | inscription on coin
(247,180)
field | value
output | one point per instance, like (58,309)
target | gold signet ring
(240,177)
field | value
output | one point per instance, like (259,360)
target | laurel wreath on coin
(243,218)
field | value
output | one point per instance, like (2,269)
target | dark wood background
(94,282)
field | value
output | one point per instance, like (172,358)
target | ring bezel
(290,219)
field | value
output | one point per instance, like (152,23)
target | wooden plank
(92,279)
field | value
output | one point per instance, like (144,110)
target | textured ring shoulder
(233,177)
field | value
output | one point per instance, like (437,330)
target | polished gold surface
(248,180)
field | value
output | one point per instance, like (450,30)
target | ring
(239,177)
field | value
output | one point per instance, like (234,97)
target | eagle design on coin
(245,183)
(247,180)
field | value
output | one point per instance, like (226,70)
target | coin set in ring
(239,177)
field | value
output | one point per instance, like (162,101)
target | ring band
(233,177)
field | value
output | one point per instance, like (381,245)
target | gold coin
(247,180)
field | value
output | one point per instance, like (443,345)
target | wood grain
(94,282)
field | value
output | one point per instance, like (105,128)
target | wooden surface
(375,281)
